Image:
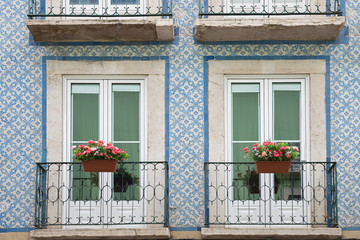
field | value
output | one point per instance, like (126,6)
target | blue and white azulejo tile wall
(22,109)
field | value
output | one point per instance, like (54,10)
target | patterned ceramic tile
(21,108)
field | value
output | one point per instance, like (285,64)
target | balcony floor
(301,28)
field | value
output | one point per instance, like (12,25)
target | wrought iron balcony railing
(136,194)
(269,7)
(237,195)
(103,9)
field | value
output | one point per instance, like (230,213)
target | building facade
(184,86)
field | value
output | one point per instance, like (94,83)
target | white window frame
(105,123)
(265,90)
(266,130)
(68,80)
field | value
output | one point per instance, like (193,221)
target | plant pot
(100,165)
(121,184)
(272,166)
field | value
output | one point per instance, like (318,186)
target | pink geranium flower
(272,151)
(98,150)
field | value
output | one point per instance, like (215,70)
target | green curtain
(245,126)
(126,117)
(84,2)
(85,126)
(286,104)
(85,120)
(245,116)
(286,115)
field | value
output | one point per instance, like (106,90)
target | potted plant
(123,179)
(271,157)
(251,180)
(98,156)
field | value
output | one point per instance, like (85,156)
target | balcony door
(114,111)
(261,109)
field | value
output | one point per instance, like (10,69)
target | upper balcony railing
(136,194)
(237,195)
(103,9)
(269,7)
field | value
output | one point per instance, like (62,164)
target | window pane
(245,116)
(241,2)
(85,115)
(245,182)
(286,114)
(84,2)
(289,186)
(85,185)
(85,126)
(126,116)
(127,178)
(125,2)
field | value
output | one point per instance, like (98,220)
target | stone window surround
(154,74)
(218,72)
(155,99)
(315,69)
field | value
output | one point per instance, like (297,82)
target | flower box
(99,157)
(100,165)
(272,166)
(272,157)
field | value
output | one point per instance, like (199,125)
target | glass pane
(126,116)
(286,113)
(85,126)
(242,2)
(289,186)
(245,109)
(125,2)
(245,180)
(84,2)
(85,185)
(85,116)
(127,178)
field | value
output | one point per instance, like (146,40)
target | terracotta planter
(100,165)
(272,166)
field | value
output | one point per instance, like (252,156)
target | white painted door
(287,123)
(262,109)
(112,110)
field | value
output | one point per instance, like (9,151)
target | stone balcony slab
(104,233)
(90,30)
(309,28)
(271,233)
